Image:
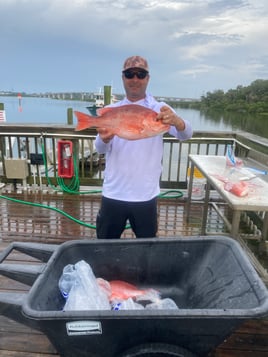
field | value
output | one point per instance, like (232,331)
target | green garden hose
(48,207)
(175,194)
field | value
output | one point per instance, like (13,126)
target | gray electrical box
(16,168)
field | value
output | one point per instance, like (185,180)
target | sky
(192,46)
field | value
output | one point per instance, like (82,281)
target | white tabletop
(216,171)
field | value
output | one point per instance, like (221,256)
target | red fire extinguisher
(65,159)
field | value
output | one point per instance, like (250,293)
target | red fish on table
(239,189)
(130,122)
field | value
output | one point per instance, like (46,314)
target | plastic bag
(239,189)
(67,280)
(162,304)
(128,304)
(231,160)
(79,285)
(159,304)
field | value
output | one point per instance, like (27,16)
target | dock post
(2,140)
(2,113)
(70,116)
(107,95)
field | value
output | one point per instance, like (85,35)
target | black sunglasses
(141,74)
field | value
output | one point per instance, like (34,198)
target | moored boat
(98,102)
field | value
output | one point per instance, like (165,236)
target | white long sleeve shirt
(133,167)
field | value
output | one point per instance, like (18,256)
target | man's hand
(105,135)
(167,116)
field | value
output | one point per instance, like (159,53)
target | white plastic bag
(128,304)
(67,280)
(83,291)
(162,304)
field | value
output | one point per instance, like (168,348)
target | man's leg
(143,218)
(111,219)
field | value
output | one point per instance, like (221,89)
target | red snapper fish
(131,122)
(121,290)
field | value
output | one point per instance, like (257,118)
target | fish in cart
(122,290)
(131,122)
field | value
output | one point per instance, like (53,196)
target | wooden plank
(12,285)
(10,326)
(20,338)
(21,342)
(25,354)
(240,353)
(255,326)
(249,340)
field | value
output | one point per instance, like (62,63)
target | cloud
(81,44)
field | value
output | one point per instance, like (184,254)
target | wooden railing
(28,143)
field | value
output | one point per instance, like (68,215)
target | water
(201,122)
(39,110)
(53,111)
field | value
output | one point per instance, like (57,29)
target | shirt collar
(148,101)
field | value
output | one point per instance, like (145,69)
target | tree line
(251,99)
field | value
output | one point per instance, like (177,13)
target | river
(52,111)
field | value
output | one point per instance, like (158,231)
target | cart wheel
(157,350)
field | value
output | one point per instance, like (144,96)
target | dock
(55,218)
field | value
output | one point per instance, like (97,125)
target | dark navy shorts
(114,215)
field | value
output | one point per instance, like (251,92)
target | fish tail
(85,121)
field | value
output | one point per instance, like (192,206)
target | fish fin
(83,121)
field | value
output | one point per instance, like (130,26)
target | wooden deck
(23,222)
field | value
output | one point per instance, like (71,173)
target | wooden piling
(107,95)
(70,116)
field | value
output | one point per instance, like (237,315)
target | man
(133,167)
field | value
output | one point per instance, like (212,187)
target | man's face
(135,82)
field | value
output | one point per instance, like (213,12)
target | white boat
(98,102)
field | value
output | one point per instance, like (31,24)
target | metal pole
(2,140)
